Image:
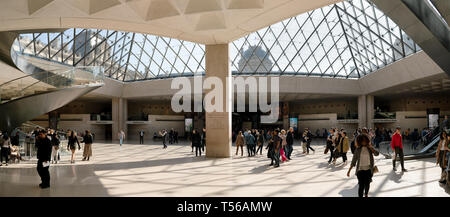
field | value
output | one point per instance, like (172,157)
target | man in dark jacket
(44,151)
(290,142)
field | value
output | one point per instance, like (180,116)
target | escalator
(426,148)
(40,86)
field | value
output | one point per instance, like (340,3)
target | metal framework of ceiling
(349,39)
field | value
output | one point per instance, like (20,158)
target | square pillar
(362,111)
(119,117)
(218,124)
(370,111)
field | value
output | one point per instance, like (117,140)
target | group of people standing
(279,144)
(338,145)
(198,141)
(9,147)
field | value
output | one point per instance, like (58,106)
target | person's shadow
(350,192)
(396,177)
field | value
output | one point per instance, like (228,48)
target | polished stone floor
(149,170)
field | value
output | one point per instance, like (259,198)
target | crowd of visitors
(364,144)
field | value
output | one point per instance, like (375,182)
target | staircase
(41,86)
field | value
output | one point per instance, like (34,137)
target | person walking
(276,146)
(330,144)
(5,142)
(55,142)
(269,146)
(71,145)
(283,146)
(397,146)
(175,136)
(121,136)
(250,142)
(343,147)
(141,136)
(289,143)
(44,150)
(363,159)
(197,142)
(240,143)
(441,155)
(260,141)
(164,138)
(88,139)
(171,136)
(415,137)
(308,139)
(203,139)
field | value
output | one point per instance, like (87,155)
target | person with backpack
(55,142)
(308,139)
(88,139)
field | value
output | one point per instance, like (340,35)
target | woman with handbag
(363,159)
(343,147)
(441,154)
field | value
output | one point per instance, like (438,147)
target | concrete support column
(119,117)
(370,111)
(286,115)
(362,111)
(218,124)
(366,111)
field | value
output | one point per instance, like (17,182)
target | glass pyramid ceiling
(349,39)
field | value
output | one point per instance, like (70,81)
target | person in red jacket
(397,146)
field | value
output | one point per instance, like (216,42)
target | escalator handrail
(26,76)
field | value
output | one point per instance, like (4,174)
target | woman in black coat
(197,142)
(71,145)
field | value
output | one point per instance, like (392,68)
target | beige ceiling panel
(35,5)
(120,26)
(211,21)
(161,9)
(13,9)
(200,6)
(245,4)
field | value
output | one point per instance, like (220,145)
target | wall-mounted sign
(188,127)
(293,122)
